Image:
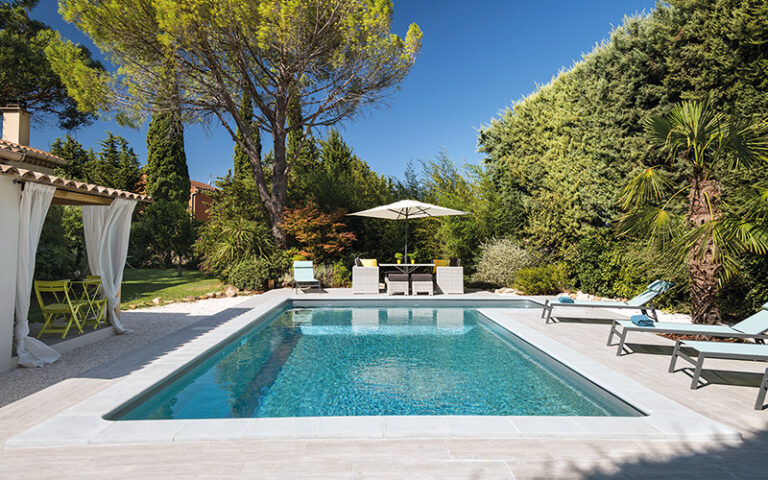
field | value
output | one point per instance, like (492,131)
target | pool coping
(83,423)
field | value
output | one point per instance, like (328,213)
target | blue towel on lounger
(565,299)
(641,320)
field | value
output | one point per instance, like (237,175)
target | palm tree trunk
(703,268)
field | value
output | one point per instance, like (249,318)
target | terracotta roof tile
(202,186)
(72,185)
(33,153)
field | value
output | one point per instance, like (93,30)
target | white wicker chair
(450,280)
(365,280)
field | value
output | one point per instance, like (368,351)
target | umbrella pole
(405,259)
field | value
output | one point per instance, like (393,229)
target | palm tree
(705,231)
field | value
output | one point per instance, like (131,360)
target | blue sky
(478,57)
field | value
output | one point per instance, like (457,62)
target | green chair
(96,304)
(753,327)
(304,275)
(642,302)
(62,307)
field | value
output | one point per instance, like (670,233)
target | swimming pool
(372,361)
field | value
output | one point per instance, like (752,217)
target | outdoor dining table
(407,267)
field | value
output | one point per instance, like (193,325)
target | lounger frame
(625,329)
(646,309)
(698,364)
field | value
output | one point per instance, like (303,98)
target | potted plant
(399,257)
(412,257)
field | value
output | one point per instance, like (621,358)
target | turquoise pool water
(375,361)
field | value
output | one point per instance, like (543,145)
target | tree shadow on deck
(732,460)
(145,354)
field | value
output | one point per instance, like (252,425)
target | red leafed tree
(319,236)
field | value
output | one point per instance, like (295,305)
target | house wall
(10,195)
(199,203)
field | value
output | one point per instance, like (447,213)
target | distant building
(200,200)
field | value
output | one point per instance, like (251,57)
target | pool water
(376,361)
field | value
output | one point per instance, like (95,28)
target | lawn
(141,285)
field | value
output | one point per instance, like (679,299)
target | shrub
(53,262)
(500,260)
(542,280)
(342,277)
(280,263)
(250,274)
(335,275)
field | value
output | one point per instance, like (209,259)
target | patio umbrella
(407,209)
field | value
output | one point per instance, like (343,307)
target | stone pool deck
(545,457)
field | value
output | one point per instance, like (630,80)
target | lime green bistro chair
(62,307)
(89,292)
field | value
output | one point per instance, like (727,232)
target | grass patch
(141,285)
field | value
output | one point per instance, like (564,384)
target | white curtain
(107,230)
(35,200)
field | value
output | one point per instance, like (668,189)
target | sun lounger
(753,327)
(723,350)
(304,275)
(642,302)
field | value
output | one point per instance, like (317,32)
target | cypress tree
(167,173)
(116,165)
(243,170)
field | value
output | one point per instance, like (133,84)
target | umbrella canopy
(407,209)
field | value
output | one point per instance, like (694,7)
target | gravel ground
(148,324)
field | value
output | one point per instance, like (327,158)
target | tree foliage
(163,235)
(237,229)
(567,150)
(709,234)
(26,75)
(319,236)
(329,57)
(167,175)
(242,165)
(115,165)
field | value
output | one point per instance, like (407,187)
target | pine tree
(167,172)
(116,165)
(242,168)
(76,156)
